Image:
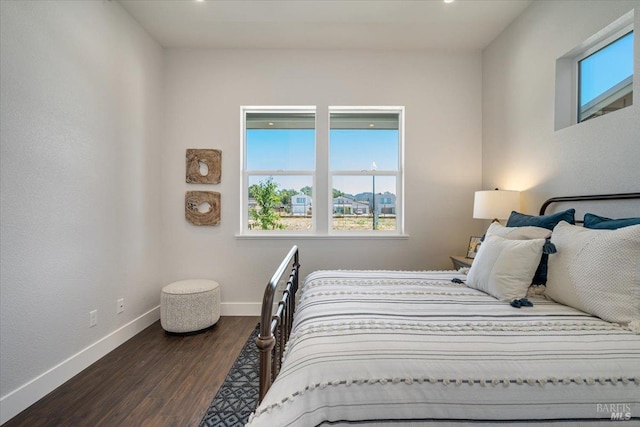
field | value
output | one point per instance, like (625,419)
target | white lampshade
(495,204)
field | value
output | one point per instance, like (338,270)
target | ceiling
(325,24)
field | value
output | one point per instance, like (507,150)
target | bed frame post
(265,345)
(275,329)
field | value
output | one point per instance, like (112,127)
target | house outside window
(302,205)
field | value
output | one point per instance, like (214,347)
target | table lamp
(495,204)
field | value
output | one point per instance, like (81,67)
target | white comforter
(413,348)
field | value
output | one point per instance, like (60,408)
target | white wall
(204,91)
(81,159)
(521,150)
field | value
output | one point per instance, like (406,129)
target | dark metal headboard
(619,196)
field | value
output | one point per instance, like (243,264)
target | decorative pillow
(597,271)
(517,219)
(503,268)
(544,221)
(602,223)
(517,233)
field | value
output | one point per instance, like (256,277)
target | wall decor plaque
(202,207)
(212,160)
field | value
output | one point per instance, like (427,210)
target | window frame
(606,41)
(566,70)
(320,229)
(398,174)
(245,173)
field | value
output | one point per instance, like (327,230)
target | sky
(597,73)
(354,150)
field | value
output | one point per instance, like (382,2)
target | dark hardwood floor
(154,379)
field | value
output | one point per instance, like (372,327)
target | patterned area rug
(238,395)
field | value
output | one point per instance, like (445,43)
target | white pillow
(518,233)
(597,271)
(503,268)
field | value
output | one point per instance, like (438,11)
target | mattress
(414,348)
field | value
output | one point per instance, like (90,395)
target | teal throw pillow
(602,223)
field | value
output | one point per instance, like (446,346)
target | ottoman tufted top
(193,286)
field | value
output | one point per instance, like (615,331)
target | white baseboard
(26,395)
(240,308)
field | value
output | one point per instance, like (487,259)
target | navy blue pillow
(545,221)
(602,223)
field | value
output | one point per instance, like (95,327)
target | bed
(423,347)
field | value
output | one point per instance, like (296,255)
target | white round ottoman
(189,305)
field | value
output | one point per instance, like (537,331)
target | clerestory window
(605,78)
(596,77)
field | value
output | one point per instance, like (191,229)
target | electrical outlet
(93,318)
(120,306)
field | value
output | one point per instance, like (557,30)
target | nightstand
(461,261)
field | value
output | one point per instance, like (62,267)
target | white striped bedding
(413,348)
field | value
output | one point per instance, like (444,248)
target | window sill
(306,236)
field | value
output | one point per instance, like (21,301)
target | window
(279,168)
(365,169)
(605,78)
(596,77)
